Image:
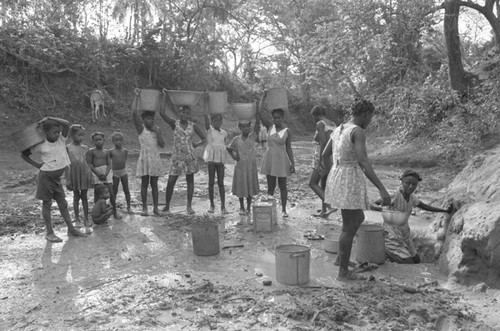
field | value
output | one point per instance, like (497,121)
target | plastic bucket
(217,102)
(276,98)
(205,237)
(370,244)
(28,137)
(292,264)
(244,111)
(187,98)
(331,243)
(149,99)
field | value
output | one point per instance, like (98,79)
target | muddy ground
(141,273)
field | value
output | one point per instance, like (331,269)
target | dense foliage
(323,51)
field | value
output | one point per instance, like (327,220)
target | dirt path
(141,273)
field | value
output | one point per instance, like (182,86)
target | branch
(473,5)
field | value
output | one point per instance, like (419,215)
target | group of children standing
(83,168)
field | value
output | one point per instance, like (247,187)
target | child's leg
(283,193)
(154,193)
(211,183)
(220,183)
(103,218)
(76,207)
(144,194)
(190,192)
(63,208)
(112,198)
(85,205)
(249,203)
(242,206)
(271,184)
(116,183)
(126,191)
(172,179)
(314,185)
(47,219)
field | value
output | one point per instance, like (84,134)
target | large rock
(471,249)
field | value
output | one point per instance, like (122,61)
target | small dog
(97,105)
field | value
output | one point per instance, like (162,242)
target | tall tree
(459,80)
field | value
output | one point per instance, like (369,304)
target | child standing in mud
(321,167)
(245,178)
(80,175)
(54,162)
(399,246)
(149,163)
(100,164)
(216,156)
(184,160)
(119,166)
(101,211)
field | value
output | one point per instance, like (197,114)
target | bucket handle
(294,255)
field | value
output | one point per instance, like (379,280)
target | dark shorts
(49,185)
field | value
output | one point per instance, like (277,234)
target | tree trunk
(458,78)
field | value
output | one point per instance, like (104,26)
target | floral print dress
(183,155)
(149,163)
(345,185)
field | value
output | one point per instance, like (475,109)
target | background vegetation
(415,60)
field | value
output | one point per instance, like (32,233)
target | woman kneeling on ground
(399,246)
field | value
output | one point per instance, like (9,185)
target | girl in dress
(345,186)
(183,156)
(216,156)
(277,162)
(149,164)
(317,182)
(80,175)
(245,179)
(399,246)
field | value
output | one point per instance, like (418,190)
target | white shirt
(54,156)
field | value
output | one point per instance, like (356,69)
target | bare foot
(190,210)
(75,233)
(157,212)
(129,210)
(78,223)
(166,209)
(145,212)
(350,276)
(53,238)
(211,210)
(337,263)
(224,211)
(88,230)
(243,212)
(117,216)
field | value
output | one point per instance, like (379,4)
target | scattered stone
(258,274)
(267,282)
(480,288)
(187,275)
(371,278)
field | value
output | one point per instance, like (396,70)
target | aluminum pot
(292,264)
